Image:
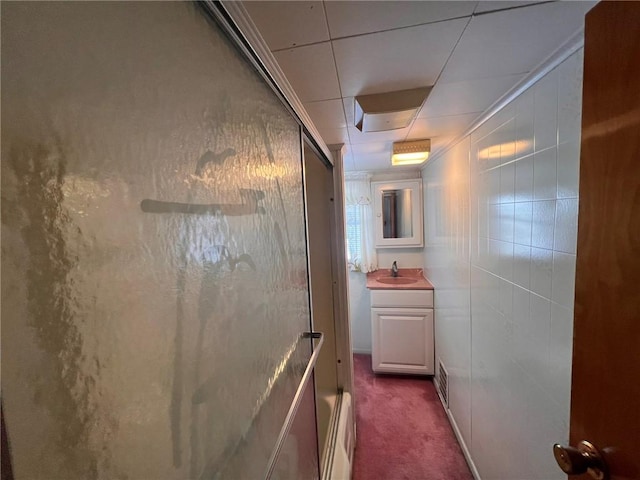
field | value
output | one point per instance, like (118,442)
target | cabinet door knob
(584,459)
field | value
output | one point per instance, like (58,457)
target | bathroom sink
(397,280)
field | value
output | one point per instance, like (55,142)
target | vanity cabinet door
(402,340)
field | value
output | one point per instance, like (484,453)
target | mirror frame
(416,213)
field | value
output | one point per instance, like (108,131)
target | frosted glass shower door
(154,271)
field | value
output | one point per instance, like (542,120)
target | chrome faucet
(394,269)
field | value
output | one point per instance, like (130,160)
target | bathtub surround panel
(153,249)
(501,213)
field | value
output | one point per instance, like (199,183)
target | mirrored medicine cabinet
(398,213)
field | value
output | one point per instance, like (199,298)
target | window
(361,252)
(353,216)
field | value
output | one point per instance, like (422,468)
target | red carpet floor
(403,431)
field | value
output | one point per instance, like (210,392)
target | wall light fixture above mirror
(413,152)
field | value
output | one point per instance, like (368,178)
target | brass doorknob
(584,459)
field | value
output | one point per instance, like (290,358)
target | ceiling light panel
(413,152)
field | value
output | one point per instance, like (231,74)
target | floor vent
(443,384)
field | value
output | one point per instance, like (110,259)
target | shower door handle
(584,459)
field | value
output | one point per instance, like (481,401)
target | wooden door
(605,400)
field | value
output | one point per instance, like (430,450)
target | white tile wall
(447,256)
(544,174)
(504,306)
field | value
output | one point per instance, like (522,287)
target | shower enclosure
(157,278)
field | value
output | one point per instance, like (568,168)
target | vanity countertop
(382,280)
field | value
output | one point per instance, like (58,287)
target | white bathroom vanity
(402,323)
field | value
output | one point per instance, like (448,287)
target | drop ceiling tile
(395,60)
(289,24)
(373,147)
(349,110)
(327,113)
(487,6)
(334,135)
(466,97)
(358,137)
(372,161)
(355,18)
(310,71)
(437,126)
(513,41)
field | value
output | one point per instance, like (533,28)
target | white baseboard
(463,445)
(359,350)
